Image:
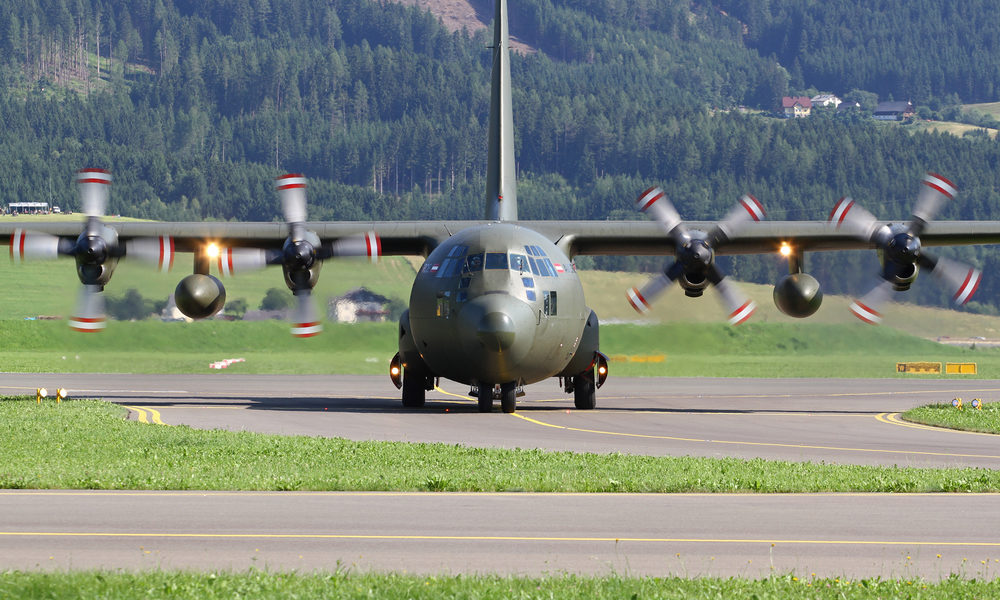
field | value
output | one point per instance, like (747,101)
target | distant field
(989,108)
(956,129)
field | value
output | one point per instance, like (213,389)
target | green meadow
(341,584)
(681,336)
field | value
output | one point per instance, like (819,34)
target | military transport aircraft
(497,303)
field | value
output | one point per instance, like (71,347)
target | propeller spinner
(901,249)
(694,265)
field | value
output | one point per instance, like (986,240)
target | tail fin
(501,184)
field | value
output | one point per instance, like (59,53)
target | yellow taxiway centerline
(484,538)
(764,444)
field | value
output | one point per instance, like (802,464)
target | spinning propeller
(96,250)
(694,255)
(901,249)
(301,255)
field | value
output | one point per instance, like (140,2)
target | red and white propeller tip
(654,202)
(305,319)
(24,245)
(368,244)
(940,184)
(93,185)
(89,315)
(865,313)
(292,189)
(158,251)
(753,207)
(240,260)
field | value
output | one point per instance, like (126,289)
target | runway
(829,535)
(846,421)
(833,420)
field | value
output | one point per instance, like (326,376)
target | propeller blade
(35,246)
(365,245)
(854,219)
(93,185)
(654,202)
(292,190)
(89,316)
(748,209)
(935,191)
(868,306)
(158,251)
(241,260)
(739,306)
(960,279)
(641,300)
(305,319)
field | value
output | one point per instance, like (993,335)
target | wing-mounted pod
(96,250)
(301,257)
(694,266)
(901,251)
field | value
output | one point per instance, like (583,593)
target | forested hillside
(196,106)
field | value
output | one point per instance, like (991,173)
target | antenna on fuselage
(501,184)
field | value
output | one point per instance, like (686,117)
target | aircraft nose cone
(496,331)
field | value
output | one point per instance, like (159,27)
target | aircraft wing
(418,238)
(648,238)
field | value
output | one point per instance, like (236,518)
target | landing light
(785,249)
(396,371)
(212,250)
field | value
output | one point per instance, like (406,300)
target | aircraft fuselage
(497,303)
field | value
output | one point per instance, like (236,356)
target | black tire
(414,393)
(485,397)
(508,397)
(584,391)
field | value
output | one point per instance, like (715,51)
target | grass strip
(665,350)
(261,585)
(86,444)
(985,420)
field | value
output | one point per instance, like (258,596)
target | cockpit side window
(474,263)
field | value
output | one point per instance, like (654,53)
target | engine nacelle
(798,295)
(693,284)
(200,296)
(902,276)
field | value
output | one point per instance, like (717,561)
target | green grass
(686,349)
(87,444)
(986,420)
(260,585)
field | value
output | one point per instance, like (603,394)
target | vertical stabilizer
(501,186)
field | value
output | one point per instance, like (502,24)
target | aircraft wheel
(413,390)
(508,397)
(485,398)
(584,391)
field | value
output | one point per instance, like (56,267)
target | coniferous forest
(195,107)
